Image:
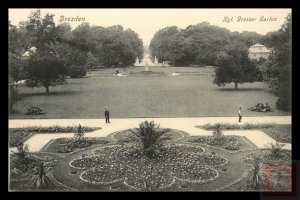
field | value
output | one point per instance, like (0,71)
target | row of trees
(277,69)
(197,44)
(56,51)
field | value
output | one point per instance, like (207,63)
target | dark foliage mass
(197,44)
(43,53)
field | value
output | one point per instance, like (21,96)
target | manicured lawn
(191,94)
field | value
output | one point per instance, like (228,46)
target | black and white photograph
(150,100)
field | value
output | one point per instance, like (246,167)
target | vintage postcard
(150,100)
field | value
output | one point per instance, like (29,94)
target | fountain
(137,61)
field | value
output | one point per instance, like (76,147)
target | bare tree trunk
(47,89)
(235,85)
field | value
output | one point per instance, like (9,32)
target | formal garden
(74,73)
(147,158)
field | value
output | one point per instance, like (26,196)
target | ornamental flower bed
(261,107)
(173,135)
(233,145)
(67,145)
(125,163)
(32,110)
(265,157)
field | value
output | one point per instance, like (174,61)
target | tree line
(55,51)
(197,44)
(204,44)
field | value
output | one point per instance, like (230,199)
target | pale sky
(146,22)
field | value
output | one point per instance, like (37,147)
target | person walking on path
(106,113)
(240,114)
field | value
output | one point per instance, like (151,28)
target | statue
(137,61)
(155,60)
(146,67)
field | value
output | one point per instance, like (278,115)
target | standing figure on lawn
(240,114)
(106,113)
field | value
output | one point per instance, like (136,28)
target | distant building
(258,51)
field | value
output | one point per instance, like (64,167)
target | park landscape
(174,127)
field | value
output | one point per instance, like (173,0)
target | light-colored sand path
(259,138)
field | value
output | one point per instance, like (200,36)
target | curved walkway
(259,138)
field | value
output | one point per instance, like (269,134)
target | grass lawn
(191,94)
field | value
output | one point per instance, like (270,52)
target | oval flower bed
(126,163)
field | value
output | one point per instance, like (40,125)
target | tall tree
(44,69)
(278,68)
(91,61)
(42,32)
(233,65)
(197,44)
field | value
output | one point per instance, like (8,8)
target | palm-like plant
(254,180)
(22,150)
(275,149)
(148,135)
(218,130)
(40,179)
(78,134)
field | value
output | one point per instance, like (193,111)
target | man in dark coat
(106,113)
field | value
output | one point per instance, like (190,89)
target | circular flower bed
(116,163)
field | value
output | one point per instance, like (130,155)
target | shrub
(40,179)
(64,149)
(261,107)
(52,129)
(249,126)
(147,135)
(199,139)
(233,145)
(22,150)
(34,111)
(76,71)
(231,138)
(78,134)
(218,130)
(216,140)
(224,126)
(276,149)
(254,178)
(16,137)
